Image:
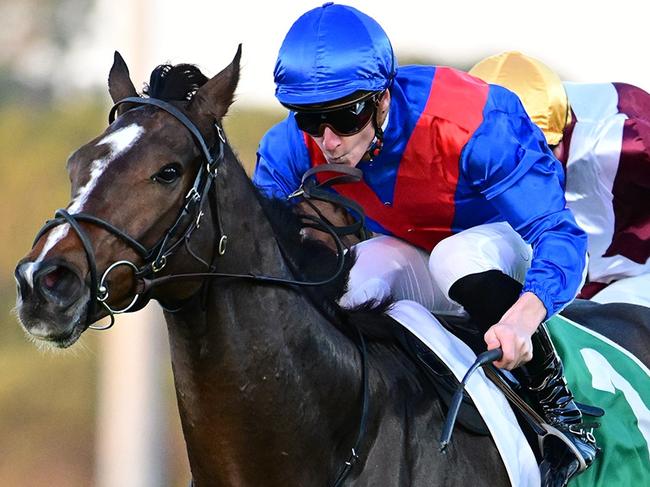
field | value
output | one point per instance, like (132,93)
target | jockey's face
(350,150)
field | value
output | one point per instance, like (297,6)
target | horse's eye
(168,174)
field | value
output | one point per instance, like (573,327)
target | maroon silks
(631,187)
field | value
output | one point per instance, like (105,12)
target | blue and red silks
(457,153)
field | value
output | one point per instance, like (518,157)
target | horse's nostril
(52,278)
(24,286)
(57,284)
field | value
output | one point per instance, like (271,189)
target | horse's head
(138,193)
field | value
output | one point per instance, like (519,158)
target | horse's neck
(260,372)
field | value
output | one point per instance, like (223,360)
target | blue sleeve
(282,159)
(508,161)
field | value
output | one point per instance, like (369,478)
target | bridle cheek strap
(155,258)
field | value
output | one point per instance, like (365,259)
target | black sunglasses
(348,120)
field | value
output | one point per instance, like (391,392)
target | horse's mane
(308,259)
(311,259)
(175,82)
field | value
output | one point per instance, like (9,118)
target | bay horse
(272,386)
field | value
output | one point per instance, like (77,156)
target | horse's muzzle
(50,294)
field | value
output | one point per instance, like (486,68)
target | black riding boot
(486,296)
(543,381)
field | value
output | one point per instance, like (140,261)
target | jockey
(458,181)
(601,134)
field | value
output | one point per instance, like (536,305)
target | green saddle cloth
(603,374)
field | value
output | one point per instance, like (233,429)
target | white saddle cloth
(517,455)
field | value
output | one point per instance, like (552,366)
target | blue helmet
(332,52)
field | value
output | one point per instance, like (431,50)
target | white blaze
(120,141)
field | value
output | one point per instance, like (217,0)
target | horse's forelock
(175,82)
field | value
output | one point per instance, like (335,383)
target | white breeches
(387,266)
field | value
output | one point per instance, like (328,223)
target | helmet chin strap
(374,149)
(377,143)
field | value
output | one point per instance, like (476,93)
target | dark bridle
(188,220)
(155,258)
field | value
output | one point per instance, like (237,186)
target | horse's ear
(214,97)
(119,82)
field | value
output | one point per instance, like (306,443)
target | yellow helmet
(539,89)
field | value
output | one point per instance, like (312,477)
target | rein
(188,220)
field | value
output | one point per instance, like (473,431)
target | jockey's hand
(512,333)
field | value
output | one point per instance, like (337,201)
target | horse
(276,385)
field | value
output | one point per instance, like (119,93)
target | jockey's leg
(491,247)
(389,267)
(486,296)
(543,380)
(488,282)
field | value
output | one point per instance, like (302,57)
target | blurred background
(104,413)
